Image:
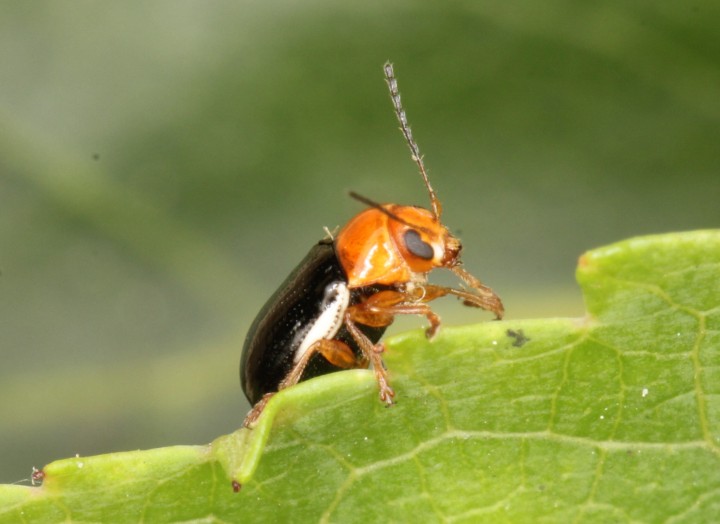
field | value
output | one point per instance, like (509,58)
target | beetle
(332,310)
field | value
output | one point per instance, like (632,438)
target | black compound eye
(417,246)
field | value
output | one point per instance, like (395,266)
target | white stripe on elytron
(332,311)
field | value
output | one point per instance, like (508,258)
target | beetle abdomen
(308,306)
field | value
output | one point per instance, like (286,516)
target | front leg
(483,297)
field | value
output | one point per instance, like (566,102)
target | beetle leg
(335,351)
(484,297)
(373,353)
(379,309)
(256,410)
(488,301)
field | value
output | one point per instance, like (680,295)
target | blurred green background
(164,165)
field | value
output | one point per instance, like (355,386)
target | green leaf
(609,418)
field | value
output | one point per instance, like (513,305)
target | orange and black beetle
(331,311)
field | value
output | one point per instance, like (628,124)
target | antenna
(371,203)
(407,133)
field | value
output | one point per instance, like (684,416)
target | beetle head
(391,244)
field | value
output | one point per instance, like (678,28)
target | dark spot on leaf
(236,486)
(519,336)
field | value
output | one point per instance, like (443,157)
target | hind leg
(335,351)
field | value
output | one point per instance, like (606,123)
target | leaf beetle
(332,310)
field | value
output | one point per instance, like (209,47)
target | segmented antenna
(407,133)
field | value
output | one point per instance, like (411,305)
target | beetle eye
(417,246)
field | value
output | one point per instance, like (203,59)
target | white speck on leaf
(645,392)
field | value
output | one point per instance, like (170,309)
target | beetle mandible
(331,311)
